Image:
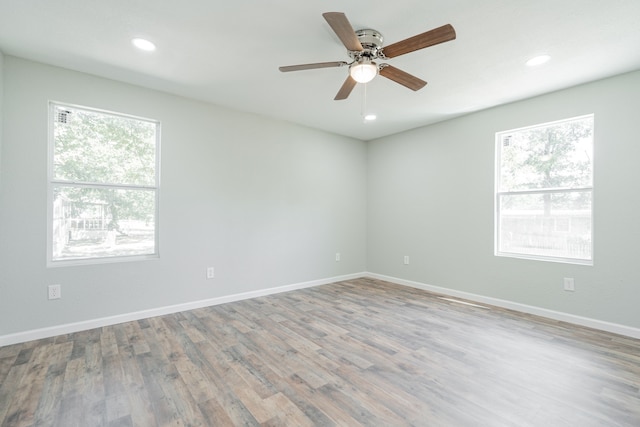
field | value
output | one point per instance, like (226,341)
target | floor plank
(359,352)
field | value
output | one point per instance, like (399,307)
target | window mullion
(85,184)
(546,191)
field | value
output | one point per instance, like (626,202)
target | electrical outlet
(569,284)
(337,256)
(406,260)
(55,291)
(210,273)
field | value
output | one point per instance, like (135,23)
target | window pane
(557,155)
(551,225)
(97,222)
(91,146)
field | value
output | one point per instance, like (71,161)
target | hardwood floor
(360,352)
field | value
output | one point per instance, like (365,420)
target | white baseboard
(144,314)
(68,328)
(543,312)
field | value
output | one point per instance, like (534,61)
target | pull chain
(366,117)
(363,107)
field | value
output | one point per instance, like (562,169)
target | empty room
(319,213)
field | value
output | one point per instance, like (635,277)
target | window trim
(497,195)
(51,183)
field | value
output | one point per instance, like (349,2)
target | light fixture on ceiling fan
(363,71)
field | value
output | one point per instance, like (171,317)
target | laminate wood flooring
(359,352)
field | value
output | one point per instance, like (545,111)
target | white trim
(546,124)
(68,328)
(60,183)
(499,194)
(615,328)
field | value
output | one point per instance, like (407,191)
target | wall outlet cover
(55,291)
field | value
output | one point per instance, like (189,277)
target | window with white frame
(103,185)
(544,191)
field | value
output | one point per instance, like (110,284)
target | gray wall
(266,203)
(1,107)
(431,196)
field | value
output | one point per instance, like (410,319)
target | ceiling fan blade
(401,77)
(343,29)
(312,66)
(346,89)
(430,38)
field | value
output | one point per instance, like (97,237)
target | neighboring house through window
(103,185)
(544,191)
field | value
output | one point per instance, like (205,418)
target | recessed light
(143,44)
(370,117)
(538,60)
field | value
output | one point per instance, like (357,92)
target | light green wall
(431,196)
(1,107)
(266,203)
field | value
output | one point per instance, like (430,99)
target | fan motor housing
(371,41)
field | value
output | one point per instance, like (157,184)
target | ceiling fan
(365,46)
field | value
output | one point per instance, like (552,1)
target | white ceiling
(228,52)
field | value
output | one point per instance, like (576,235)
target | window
(544,191)
(103,185)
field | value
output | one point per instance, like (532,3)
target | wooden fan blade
(343,29)
(288,68)
(430,38)
(399,76)
(346,89)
